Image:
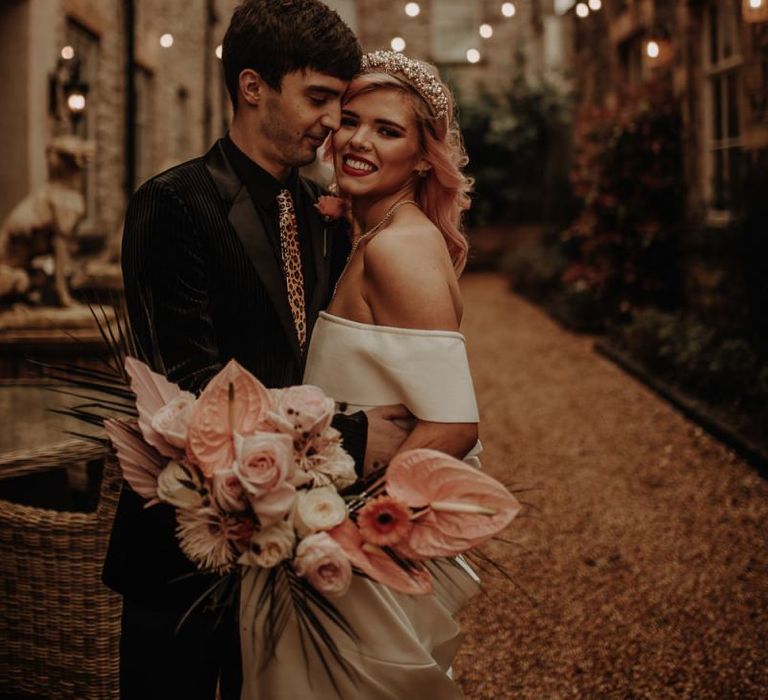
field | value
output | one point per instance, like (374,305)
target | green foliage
(513,137)
(534,270)
(696,356)
(628,175)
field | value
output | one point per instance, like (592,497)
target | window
(722,108)
(182,122)
(631,60)
(86,46)
(144,147)
(454,29)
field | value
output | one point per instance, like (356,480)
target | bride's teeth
(359,165)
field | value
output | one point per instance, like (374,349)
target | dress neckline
(340,320)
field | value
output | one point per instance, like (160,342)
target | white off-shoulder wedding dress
(405,643)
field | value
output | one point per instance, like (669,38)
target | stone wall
(188,109)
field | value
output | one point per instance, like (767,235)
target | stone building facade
(443,31)
(714,53)
(180,103)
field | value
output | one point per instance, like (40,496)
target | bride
(390,336)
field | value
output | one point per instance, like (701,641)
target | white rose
(172,420)
(334,465)
(318,509)
(269,546)
(323,563)
(303,411)
(180,486)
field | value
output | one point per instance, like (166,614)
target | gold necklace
(374,229)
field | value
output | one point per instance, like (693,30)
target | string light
(76,102)
(398,43)
(166,41)
(754,11)
(412,9)
(508,9)
(67,53)
(582,10)
(473,56)
(595,5)
(652,49)
(486,31)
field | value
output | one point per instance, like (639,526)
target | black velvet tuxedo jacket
(204,284)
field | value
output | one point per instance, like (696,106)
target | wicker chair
(59,625)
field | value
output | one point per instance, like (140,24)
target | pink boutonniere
(332,208)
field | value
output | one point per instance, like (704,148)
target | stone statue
(37,236)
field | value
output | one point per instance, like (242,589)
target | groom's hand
(384,435)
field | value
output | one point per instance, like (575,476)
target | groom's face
(297,119)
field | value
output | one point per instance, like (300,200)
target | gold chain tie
(291,256)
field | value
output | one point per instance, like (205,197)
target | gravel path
(647,559)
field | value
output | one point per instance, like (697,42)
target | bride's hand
(384,435)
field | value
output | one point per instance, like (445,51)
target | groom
(226,257)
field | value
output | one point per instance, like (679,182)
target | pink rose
(229,491)
(303,412)
(263,462)
(265,466)
(332,207)
(172,420)
(323,563)
(275,505)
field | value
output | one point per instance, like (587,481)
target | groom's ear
(251,86)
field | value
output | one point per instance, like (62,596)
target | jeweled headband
(416,74)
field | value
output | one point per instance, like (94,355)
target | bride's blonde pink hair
(443,192)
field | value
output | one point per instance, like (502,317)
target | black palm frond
(105,388)
(488,564)
(210,593)
(283,594)
(318,635)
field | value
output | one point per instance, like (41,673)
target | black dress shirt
(264,188)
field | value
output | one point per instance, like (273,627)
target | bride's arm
(409,282)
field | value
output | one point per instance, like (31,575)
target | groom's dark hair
(276,37)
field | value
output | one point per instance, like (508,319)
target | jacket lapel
(321,251)
(250,230)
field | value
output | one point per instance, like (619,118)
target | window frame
(715,76)
(454,52)
(87,46)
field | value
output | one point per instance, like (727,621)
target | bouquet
(259,478)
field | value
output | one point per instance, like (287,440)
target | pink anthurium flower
(458,506)
(233,402)
(377,564)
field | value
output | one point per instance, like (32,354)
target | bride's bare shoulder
(409,280)
(416,242)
